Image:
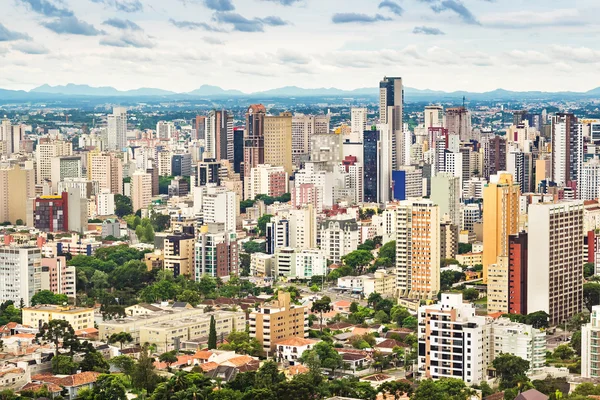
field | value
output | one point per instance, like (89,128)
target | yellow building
(497,289)
(470,259)
(78,317)
(278,320)
(141,190)
(380,282)
(17,186)
(179,254)
(278,141)
(500,217)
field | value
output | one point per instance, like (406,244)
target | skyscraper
(458,122)
(358,123)
(219,136)
(141,190)
(303,128)
(200,127)
(418,249)
(238,150)
(500,218)
(391,108)
(117,129)
(371,147)
(567,148)
(445,192)
(254,139)
(433,117)
(278,141)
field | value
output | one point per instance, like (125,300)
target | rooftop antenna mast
(463,101)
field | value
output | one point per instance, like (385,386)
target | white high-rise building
(64,167)
(165,130)
(309,263)
(216,204)
(266,179)
(117,129)
(358,123)
(44,153)
(588,186)
(303,227)
(590,345)
(105,203)
(391,109)
(418,249)
(339,236)
(384,180)
(303,128)
(555,253)
(445,192)
(17,275)
(433,117)
(141,190)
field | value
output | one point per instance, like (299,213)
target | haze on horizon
(256,45)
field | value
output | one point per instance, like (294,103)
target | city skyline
(262,44)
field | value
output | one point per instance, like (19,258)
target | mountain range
(209,92)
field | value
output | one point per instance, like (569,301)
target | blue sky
(254,45)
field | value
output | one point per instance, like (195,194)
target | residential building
(448,240)
(17,187)
(219,135)
(567,149)
(181,164)
(291,350)
(407,183)
(51,213)
(303,128)
(338,237)
(494,150)
(266,179)
(272,322)
(141,190)
(327,148)
(278,141)
(44,153)
(555,253)
(500,217)
(86,187)
(217,252)
(277,234)
(262,265)
(254,138)
(517,273)
(418,249)
(178,253)
(521,340)
(285,262)
(78,317)
(107,170)
(105,202)
(165,130)
(17,275)
(358,124)
(445,192)
(117,129)
(380,282)
(309,263)
(470,259)
(498,278)
(588,186)
(64,167)
(433,116)
(303,227)
(590,345)
(391,109)
(216,204)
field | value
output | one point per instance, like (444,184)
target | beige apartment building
(107,170)
(17,186)
(45,152)
(141,190)
(78,317)
(278,141)
(278,320)
(179,253)
(379,282)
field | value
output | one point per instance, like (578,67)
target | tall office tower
(517,273)
(358,123)
(278,141)
(494,155)
(588,186)
(217,252)
(17,277)
(117,129)
(555,259)
(181,164)
(371,151)
(519,116)
(384,178)
(200,128)
(567,148)
(219,136)
(303,227)
(216,204)
(277,234)
(141,190)
(208,172)
(107,170)
(45,152)
(418,249)
(434,117)
(17,187)
(254,138)
(458,122)
(500,218)
(303,128)
(165,129)
(391,109)
(238,150)
(64,167)
(520,165)
(456,347)
(445,192)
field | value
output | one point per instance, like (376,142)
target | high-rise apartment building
(238,151)
(45,152)
(57,277)
(51,213)
(165,130)
(391,109)
(64,167)
(216,252)
(17,275)
(371,151)
(433,117)
(178,253)
(277,234)
(303,227)
(358,123)
(590,345)
(107,170)
(588,185)
(266,179)
(494,150)
(181,164)
(199,128)
(278,320)
(278,141)
(520,165)
(445,192)
(11,136)
(418,249)
(117,129)
(339,236)
(407,183)
(517,273)
(303,128)
(458,122)
(567,148)
(216,204)
(555,253)
(254,138)
(219,142)
(141,190)
(500,218)
(17,187)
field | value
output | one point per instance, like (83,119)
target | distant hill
(209,90)
(86,90)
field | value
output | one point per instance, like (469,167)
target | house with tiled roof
(71,384)
(387,346)
(54,390)
(294,370)
(290,350)
(12,377)
(342,306)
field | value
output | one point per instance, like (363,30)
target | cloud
(581,55)
(7,35)
(529,57)
(424,30)
(30,48)
(459,8)
(243,24)
(290,57)
(285,2)
(139,41)
(533,19)
(122,24)
(345,18)
(46,8)
(212,40)
(392,6)
(127,6)
(73,26)
(219,5)
(191,25)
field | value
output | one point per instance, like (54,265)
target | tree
(168,358)
(358,259)
(538,319)
(121,337)
(99,280)
(576,342)
(125,364)
(63,365)
(511,370)
(323,355)
(55,331)
(47,297)
(122,205)
(591,294)
(446,388)
(354,307)
(464,248)
(241,343)
(448,278)
(470,294)
(399,314)
(251,247)
(315,288)
(268,376)
(588,270)
(367,245)
(397,389)
(262,224)
(410,322)
(321,306)
(109,387)
(160,222)
(144,374)
(388,251)
(586,389)
(19,222)
(564,352)
(212,334)
(93,361)
(189,296)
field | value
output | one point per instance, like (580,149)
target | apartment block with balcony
(590,345)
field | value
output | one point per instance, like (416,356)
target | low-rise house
(387,346)
(71,384)
(290,350)
(12,377)
(342,306)
(54,390)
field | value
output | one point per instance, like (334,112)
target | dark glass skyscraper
(238,149)
(371,165)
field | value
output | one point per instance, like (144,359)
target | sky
(255,45)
